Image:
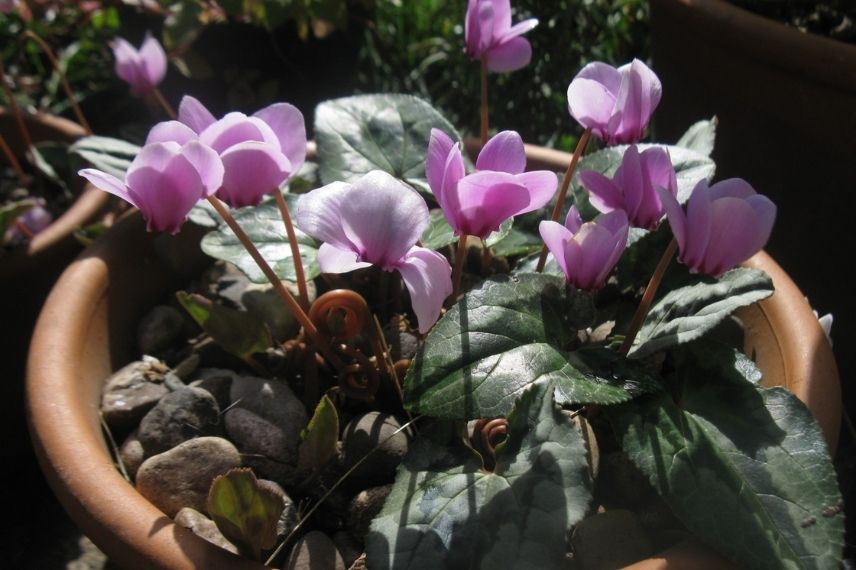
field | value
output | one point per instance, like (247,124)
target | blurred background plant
(833,18)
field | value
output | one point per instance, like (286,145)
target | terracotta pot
(85,332)
(785,103)
(26,275)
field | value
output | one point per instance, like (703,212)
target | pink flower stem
(16,111)
(295,249)
(566,182)
(484,106)
(13,160)
(648,297)
(291,303)
(460,255)
(170,112)
(63,80)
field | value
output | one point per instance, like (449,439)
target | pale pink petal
(676,216)
(194,114)
(732,236)
(591,103)
(501,17)
(629,178)
(503,153)
(604,195)
(731,188)
(252,169)
(556,237)
(657,171)
(699,224)
(319,214)
(439,146)
(573,221)
(165,198)
(208,163)
(155,155)
(639,95)
(765,217)
(334,260)
(171,131)
(108,183)
(478,29)
(152,61)
(287,124)
(510,55)
(541,185)
(127,64)
(427,276)
(234,128)
(487,199)
(519,29)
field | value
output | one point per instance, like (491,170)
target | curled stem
(648,297)
(170,112)
(63,80)
(16,111)
(566,182)
(484,106)
(460,254)
(295,250)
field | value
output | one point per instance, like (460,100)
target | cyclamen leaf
(318,440)
(744,467)
(110,155)
(236,331)
(263,224)
(376,132)
(446,511)
(439,233)
(686,314)
(700,137)
(498,341)
(245,511)
(52,160)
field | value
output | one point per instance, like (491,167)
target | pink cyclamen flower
(143,69)
(259,152)
(165,181)
(490,35)
(633,188)
(725,224)
(616,104)
(8,6)
(31,222)
(587,252)
(377,220)
(478,203)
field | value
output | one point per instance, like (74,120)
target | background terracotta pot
(785,102)
(26,275)
(86,331)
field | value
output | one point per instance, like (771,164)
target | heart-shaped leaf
(263,224)
(113,156)
(245,511)
(318,440)
(356,135)
(499,340)
(687,313)
(745,468)
(446,511)
(236,331)
(439,233)
(700,137)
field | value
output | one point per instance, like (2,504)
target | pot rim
(64,387)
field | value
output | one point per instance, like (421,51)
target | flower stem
(295,250)
(566,182)
(13,160)
(648,296)
(156,93)
(460,254)
(63,80)
(16,111)
(484,107)
(293,305)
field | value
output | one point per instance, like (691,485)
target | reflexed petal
(383,218)
(427,276)
(478,27)
(556,237)
(676,216)
(165,198)
(287,124)
(152,60)
(439,146)
(207,162)
(155,155)
(604,195)
(733,188)
(629,179)
(541,185)
(503,153)
(334,260)
(510,55)
(765,217)
(639,95)
(127,64)
(597,245)
(194,114)
(486,200)
(234,128)
(732,236)
(591,103)
(699,224)
(519,29)
(319,214)
(501,17)
(604,74)
(253,169)
(108,183)
(171,131)
(573,221)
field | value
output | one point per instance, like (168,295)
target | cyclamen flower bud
(165,181)
(490,35)
(616,104)
(633,188)
(143,69)
(724,225)
(587,252)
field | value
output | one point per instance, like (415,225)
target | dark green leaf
(318,440)
(498,341)
(686,314)
(700,137)
(236,331)
(619,378)
(439,233)
(51,159)
(517,242)
(376,132)
(495,237)
(112,156)
(744,467)
(446,511)
(265,227)
(245,511)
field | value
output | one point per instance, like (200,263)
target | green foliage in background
(417,47)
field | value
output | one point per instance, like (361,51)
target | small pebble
(362,435)
(179,416)
(130,392)
(132,454)
(159,329)
(314,551)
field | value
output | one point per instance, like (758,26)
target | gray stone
(262,301)
(613,539)
(159,329)
(364,507)
(349,548)
(314,551)
(130,392)
(179,416)
(217,381)
(288,518)
(132,454)
(362,435)
(203,527)
(181,477)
